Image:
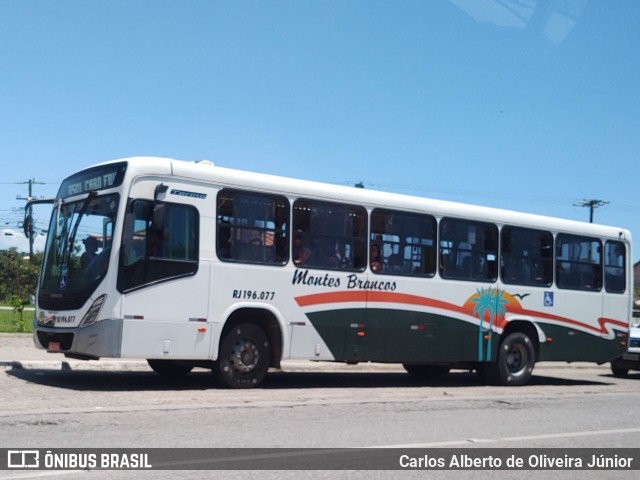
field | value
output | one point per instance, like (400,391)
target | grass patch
(10,321)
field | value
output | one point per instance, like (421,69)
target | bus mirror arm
(160,189)
(27,223)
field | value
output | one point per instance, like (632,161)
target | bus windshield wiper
(85,205)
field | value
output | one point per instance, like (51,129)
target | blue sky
(531,105)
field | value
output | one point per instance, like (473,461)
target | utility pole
(592,204)
(29,216)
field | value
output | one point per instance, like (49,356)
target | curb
(64,365)
(111,365)
(142,365)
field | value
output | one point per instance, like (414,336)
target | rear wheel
(243,360)
(426,372)
(618,370)
(170,368)
(515,362)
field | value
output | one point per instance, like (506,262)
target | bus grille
(65,339)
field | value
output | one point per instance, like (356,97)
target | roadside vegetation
(13,322)
(18,283)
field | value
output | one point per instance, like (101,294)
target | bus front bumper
(102,339)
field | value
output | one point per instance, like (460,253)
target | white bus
(192,265)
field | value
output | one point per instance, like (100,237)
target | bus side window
(468,250)
(615,270)
(578,262)
(160,242)
(329,235)
(402,243)
(135,232)
(252,227)
(525,256)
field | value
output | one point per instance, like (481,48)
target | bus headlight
(92,315)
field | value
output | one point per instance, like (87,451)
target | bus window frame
(383,265)
(550,260)
(279,234)
(580,285)
(608,277)
(154,268)
(477,255)
(319,244)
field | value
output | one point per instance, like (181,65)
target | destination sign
(93,179)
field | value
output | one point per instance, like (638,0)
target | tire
(170,368)
(515,362)
(244,357)
(617,370)
(426,372)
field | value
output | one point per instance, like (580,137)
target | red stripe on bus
(368,296)
(601,321)
(332,297)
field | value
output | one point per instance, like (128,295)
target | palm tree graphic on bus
(489,304)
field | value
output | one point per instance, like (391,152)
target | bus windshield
(78,245)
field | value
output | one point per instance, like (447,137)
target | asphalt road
(48,403)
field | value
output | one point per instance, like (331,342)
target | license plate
(53,347)
(634,357)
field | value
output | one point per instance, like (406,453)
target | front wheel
(515,362)
(244,356)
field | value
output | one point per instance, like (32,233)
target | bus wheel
(426,372)
(244,357)
(170,368)
(515,362)
(617,370)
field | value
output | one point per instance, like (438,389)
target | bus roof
(207,172)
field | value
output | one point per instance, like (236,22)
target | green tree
(18,276)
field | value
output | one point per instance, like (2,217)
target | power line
(592,204)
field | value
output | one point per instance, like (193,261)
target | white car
(631,359)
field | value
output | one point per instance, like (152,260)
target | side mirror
(27,225)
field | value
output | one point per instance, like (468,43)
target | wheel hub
(244,356)
(516,359)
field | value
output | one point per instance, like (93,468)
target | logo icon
(23,459)
(548,299)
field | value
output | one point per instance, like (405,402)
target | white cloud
(13,238)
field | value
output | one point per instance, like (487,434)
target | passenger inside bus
(374,253)
(301,253)
(395,264)
(329,256)
(224,241)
